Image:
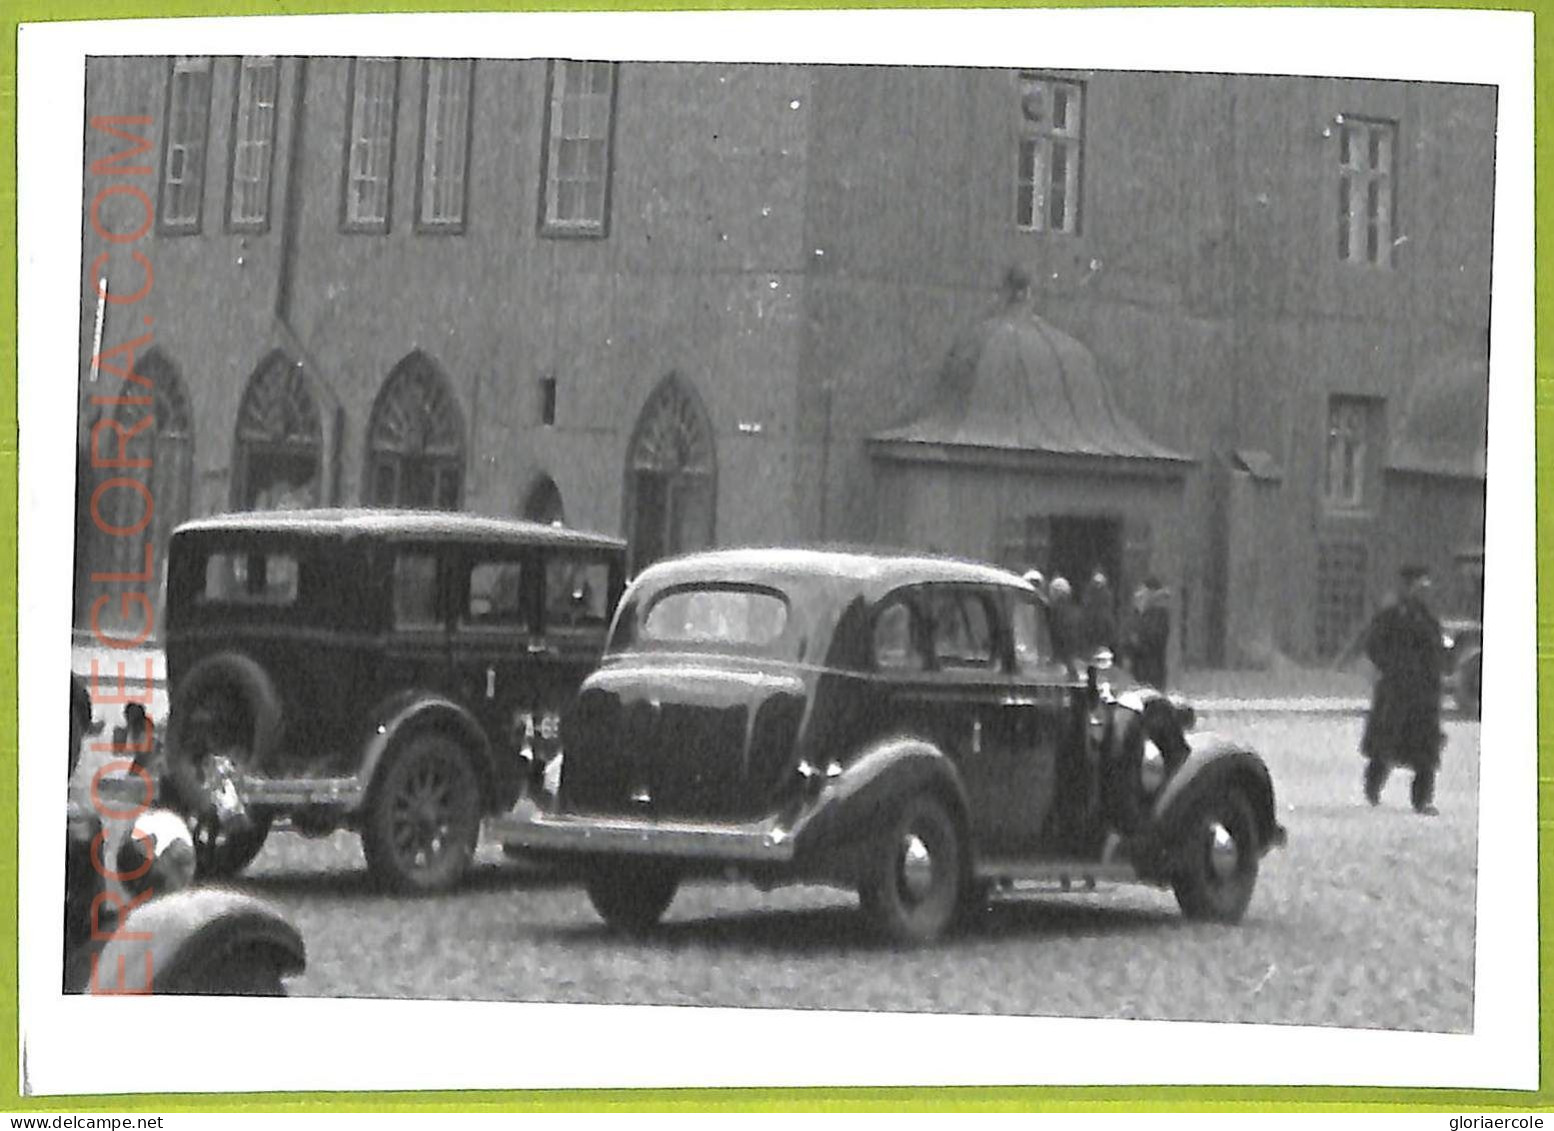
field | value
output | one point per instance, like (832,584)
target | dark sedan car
(397,673)
(892,724)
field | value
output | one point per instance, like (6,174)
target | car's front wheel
(424,817)
(911,888)
(1218,862)
(631,897)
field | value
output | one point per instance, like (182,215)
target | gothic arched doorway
(671,475)
(279,443)
(124,495)
(415,440)
(543,501)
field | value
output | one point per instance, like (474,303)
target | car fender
(1215,762)
(174,943)
(852,806)
(408,712)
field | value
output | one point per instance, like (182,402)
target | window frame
(376,226)
(438,625)
(192,224)
(475,557)
(1354,223)
(433,225)
(550,142)
(997,662)
(1046,138)
(1363,458)
(249,225)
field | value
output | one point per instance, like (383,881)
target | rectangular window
(253,143)
(578,131)
(369,161)
(445,142)
(250,578)
(415,591)
(1049,156)
(183,161)
(1366,192)
(495,597)
(1351,422)
(577,593)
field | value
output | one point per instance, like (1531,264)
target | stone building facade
(695,304)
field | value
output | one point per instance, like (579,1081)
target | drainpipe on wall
(291,218)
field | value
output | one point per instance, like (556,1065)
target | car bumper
(531,829)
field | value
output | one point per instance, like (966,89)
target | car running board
(1063,872)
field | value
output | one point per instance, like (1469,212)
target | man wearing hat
(1404,725)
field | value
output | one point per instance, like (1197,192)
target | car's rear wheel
(912,884)
(631,896)
(424,817)
(1218,862)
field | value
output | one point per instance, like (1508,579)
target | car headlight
(1152,767)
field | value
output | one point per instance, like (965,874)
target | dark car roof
(876,572)
(363,522)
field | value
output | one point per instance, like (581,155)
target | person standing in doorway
(1063,622)
(1150,636)
(1099,616)
(1404,724)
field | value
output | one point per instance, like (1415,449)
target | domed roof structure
(1014,382)
(1443,429)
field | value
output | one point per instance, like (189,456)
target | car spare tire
(233,693)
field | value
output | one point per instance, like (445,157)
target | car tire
(232,675)
(240,970)
(232,850)
(423,816)
(631,897)
(1219,857)
(913,881)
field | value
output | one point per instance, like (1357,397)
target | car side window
(577,591)
(415,590)
(495,595)
(1032,646)
(962,630)
(895,643)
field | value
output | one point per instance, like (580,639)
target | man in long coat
(1404,725)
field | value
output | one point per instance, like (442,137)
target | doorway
(1081,544)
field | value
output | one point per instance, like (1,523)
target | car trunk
(710,741)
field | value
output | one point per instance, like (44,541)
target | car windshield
(740,617)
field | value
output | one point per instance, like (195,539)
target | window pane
(727,616)
(415,591)
(496,594)
(894,648)
(577,591)
(251,578)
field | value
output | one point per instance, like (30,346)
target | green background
(1136,1099)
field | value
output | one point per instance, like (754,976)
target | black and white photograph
(923,540)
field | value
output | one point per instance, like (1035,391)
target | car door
(495,588)
(965,694)
(1038,731)
(577,592)
(415,649)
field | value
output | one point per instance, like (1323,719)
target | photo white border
(303,1044)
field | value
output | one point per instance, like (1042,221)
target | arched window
(415,440)
(671,475)
(168,442)
(543,502)
(280,441)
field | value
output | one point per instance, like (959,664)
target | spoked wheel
(424,818)
(1219,859)
(224,852)
(912,886)
(631,896)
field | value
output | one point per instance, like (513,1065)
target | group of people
(1080,627)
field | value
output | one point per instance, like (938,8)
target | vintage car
(1463,640)
(891,724)
(399,674)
